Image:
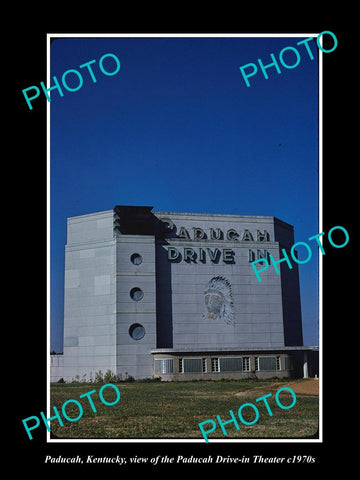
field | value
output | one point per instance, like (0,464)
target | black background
(25,347)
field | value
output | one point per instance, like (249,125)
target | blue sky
(178,129)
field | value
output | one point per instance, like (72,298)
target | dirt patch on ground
(308,386)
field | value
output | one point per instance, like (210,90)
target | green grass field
(174,409)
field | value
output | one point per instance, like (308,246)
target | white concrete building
(174,295)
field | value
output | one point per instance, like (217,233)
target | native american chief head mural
(218,300)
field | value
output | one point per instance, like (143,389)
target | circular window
(136,258)
(136,294)
(136,331)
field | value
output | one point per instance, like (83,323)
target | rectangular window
(246,364)
(278,364)
(230,364)
(267,363)
(215,365)
(192,365)
(164,365)
(204,365)
(288,363)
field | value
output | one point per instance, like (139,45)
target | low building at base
(174,295)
